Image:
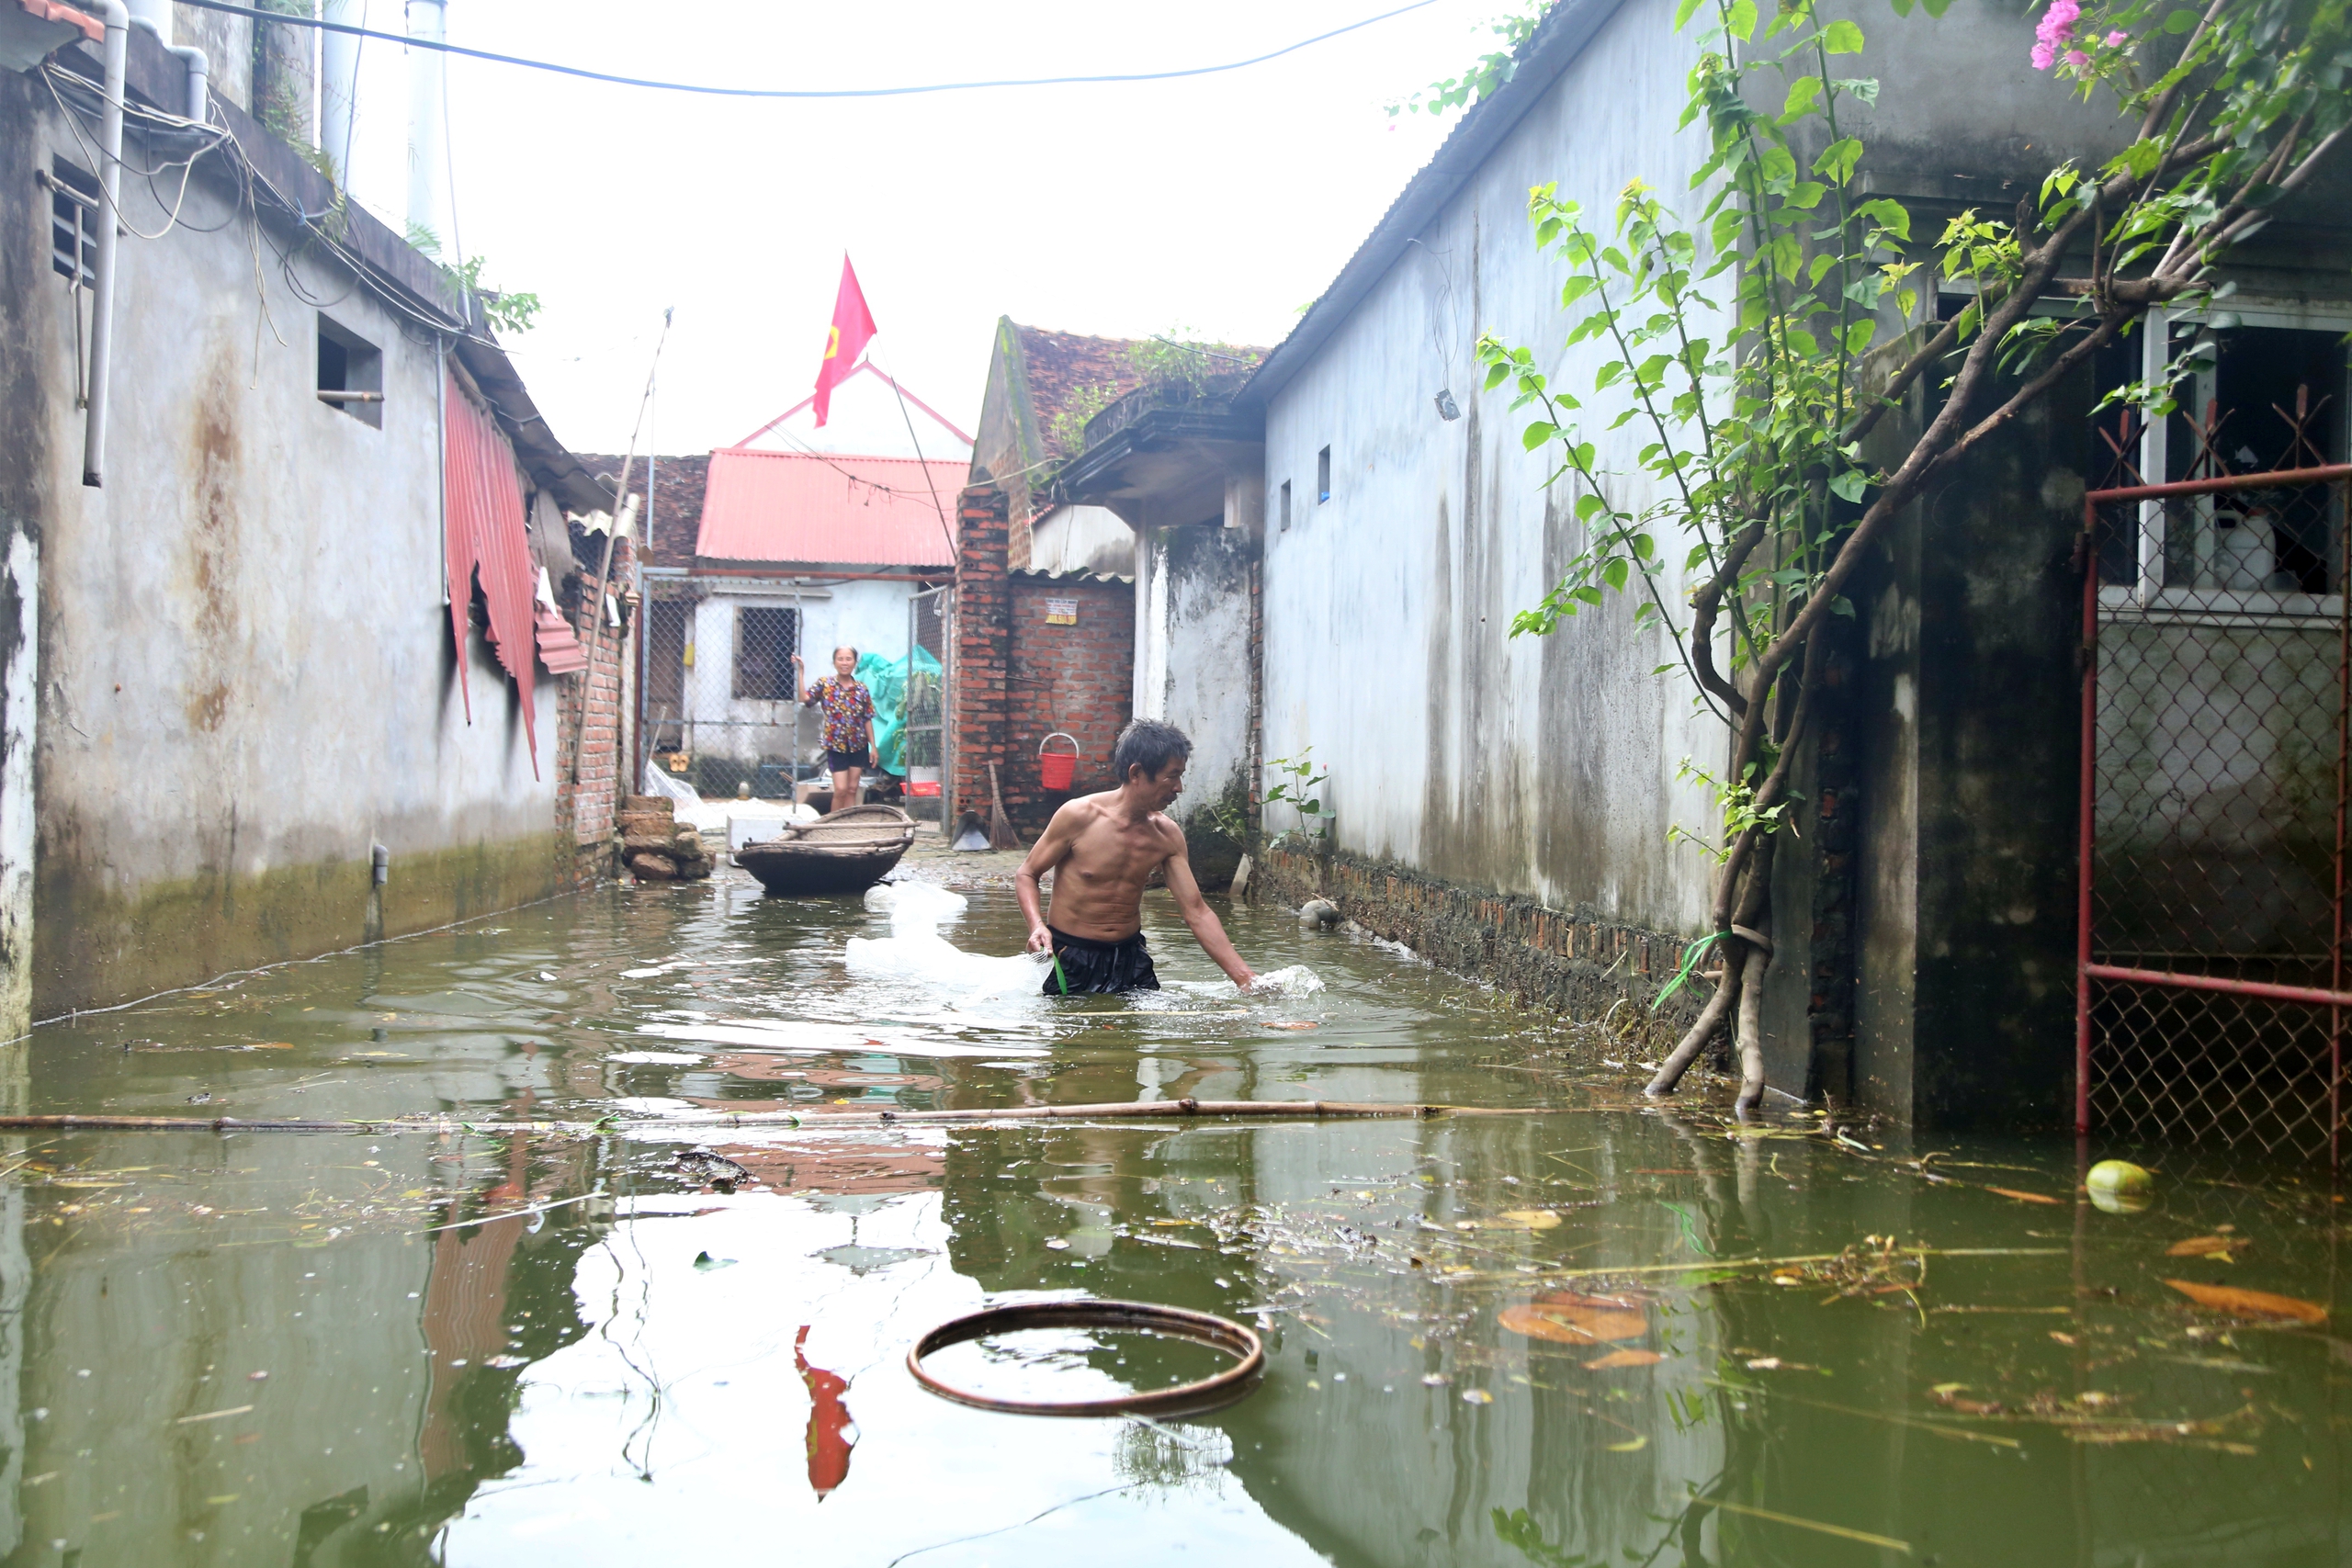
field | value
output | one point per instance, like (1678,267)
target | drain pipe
(117,58)
(154,18)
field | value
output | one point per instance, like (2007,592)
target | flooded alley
(1602,1330)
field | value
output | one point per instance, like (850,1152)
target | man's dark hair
(1151,745)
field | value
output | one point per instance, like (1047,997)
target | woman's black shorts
(842,762)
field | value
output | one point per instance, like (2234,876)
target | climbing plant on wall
(1756,344)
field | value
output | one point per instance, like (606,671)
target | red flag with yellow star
(852,330)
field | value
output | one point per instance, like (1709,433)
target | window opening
(1322,475)
(765,640)
(2266,395)
(74,204)
(1285,508)
(351,373)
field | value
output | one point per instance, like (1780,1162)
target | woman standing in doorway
(848,708)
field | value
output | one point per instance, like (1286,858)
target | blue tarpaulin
(886,679)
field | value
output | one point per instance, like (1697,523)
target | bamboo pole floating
(1136,1109)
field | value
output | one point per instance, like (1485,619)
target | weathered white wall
(1538,766)
(1193,609)
(247,671)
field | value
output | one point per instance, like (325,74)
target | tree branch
(1707,604)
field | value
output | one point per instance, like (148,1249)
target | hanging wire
(223,6)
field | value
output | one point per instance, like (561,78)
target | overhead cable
(283,21)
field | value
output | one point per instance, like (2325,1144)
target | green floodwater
(1515,1340)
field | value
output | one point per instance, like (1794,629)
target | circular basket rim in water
(1177,1322)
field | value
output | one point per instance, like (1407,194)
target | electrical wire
(248,11)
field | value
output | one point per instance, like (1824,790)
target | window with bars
(2268,392)
(73,206)
(765,640)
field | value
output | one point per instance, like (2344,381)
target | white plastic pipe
(338,86)
(116,17)
(427,81)
(155,16)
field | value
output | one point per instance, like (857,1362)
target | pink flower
(2115,40)
(2056,29)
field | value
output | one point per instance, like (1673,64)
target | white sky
(1217,203)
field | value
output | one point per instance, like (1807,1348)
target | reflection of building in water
(320,1392)
(842,1166)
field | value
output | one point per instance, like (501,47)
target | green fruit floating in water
(2119,1187)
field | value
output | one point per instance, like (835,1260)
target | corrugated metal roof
(559,650)
(803,506)
(486,537)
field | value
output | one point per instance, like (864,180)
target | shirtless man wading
(1100,847)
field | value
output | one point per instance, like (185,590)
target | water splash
(915,950)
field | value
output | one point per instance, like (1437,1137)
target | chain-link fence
(2217,712)
(928,616)
(722,699)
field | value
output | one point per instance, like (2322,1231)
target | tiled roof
(1061,366)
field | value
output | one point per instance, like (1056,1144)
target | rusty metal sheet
(486,541)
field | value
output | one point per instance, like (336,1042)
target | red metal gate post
(2084,828)
(2343,780)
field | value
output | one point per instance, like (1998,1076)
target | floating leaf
(1634,1447)
(1569,1319)
(1530,1219)
(2204,1246)
(2250,1304)
(2026,1197)
(1293,1026)
(1625,1359)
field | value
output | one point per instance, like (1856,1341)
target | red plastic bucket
(1057,770)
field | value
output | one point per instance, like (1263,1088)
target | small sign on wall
(1062,612)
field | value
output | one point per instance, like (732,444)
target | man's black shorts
(1084,966)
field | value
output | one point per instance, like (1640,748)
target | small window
(1322,475)
(351,373)
(1285,511)
(765,640)
(74,204)
(2266,395)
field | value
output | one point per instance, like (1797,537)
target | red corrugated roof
(485,536)
(559,650)
(802,506)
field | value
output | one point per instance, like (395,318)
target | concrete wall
(248,676)
(1196,608)
(1543,767)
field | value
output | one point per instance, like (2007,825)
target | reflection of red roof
(801,506)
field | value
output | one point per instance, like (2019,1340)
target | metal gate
(929,615)
(721,699)
(2217,732)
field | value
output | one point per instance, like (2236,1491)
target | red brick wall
(983,634)
(1076,678)
(585,804)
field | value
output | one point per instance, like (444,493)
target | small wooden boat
(848,852)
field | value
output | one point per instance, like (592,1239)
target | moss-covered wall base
(93,947)
(1566,960)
